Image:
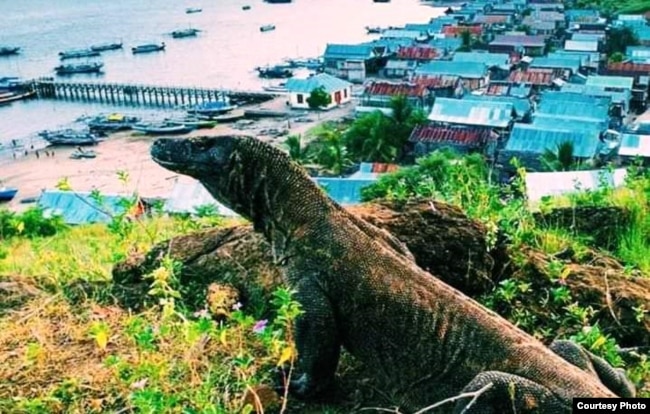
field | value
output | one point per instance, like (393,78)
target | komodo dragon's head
(254,179)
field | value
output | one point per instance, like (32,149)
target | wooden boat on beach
(112,122)
(77,53)
(106,46)
(267,28)
(69,137)
(191,10)
(162,128)
(213,107)
(7,193)
(148,48)
(191,121)
(80,153)
(94,67)
(9,50)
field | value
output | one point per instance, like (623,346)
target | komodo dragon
(424,339)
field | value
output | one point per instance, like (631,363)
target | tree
(616,57)
(319,98)
(619,39)
(297,151)
(466,38)
(331,151)
(560,160)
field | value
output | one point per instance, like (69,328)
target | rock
(443,240)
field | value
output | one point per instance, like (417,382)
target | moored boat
(80,153)
(191,121)
(373,29)
(9,50)
(7,193)
(69,137)
(267,28)
(179,34)
(213,107)
(191,10)
(275,72)
(112,122)
(281,88)
(246,7)
(94,67)
(106,46)
(161,128)
(149,47)
(77,53)
(8,97)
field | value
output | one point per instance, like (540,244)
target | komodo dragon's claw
(301,387)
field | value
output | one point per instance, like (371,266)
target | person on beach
(38,156)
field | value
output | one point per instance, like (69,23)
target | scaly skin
(424,339)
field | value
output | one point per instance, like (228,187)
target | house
(529,142)
(639,73)
(399,68)
(457,31)
(351,62)
(523,44)
(425,139)
(499,88)
(412,35)
(589,61)
(380,93)
(540,78)
(501,60)
(570,64)
(83,207)
(539,27)
(521,106)
(581,45)
(574,105)
(621,86)
(444,86)
(638,54)
(487,114)
(491,21)
(557,183)
(634,146)
(474,75)
(418,53)
(299,90)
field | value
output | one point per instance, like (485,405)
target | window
(345,92)
(300,98)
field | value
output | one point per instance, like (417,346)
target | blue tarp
(81,208)
(344,191)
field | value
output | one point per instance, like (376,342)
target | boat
(246,7)
(213,107)
(80,153)
(275,72)
(94,67)
(9,50)
(69,137)
(162,128)
(195,122)
(149,47)
(7,193)
(112,122)
(179,34)
(308,63)
(106,46)
(381,1)
(277,1)
(8,97)
(191,10)
(267,28)
(77,53)
(373,29)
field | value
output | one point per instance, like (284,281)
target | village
(511,79)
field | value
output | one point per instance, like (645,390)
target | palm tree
(332,153)
(560,160)
(297,151)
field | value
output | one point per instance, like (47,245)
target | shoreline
(129,152)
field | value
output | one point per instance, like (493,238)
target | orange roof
(628,67)
(457,30)
(536,76)
(467,136)
(441,81)
(394,89)
(417,53)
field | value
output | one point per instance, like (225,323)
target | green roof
(330,83)
(611,81)
(531,138)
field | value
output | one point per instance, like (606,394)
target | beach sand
(123,151)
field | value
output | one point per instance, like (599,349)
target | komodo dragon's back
(426,339)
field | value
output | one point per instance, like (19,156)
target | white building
(299,90)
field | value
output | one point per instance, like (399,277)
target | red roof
(536,76)
(501,89)
(457,30)
(394,89)
(417,53)
(628,68)
(380,167)
(436,81)
(492,18)
(467,136)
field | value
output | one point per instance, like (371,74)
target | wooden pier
(142,95)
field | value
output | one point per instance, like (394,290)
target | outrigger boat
(106,46)
(179,34)
(95,67)
(162,128)
(112,122)
(194,122)
(267,28)
(213,108)
(69,137)
(77,53)
(9,50)
(191,10)
(150,47)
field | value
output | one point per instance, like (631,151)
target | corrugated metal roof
(188,194)
(634,145)
(446,43)
(458,30)
(536,76)
(515,40)
(489,59)
(330,83)
(541,184)
(587,37)
(417,52)
(585,57)
(642,52)
(624,82)
(594,90)
(401,64)
(571,108)
(581,45)
(540,25)
(402,34)
(530,138)
(433,82)
(81,208)
(492,19)
(342,51)
(466,112)
(627,69)
(464,136)
(576,97)
(344,191)
(462,69)
(569,122)
(521,106)
(563,63)
(393,89)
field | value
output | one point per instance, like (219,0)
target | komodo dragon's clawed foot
(303,387)
(613,378)
(509,394)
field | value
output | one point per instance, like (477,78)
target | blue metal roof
(344,190)
(570,122)
(522,106)
(343,51)
(470,112)
(576,97)
(328,82)
(624,82)
(489,59)
(462,69)
(81,208)
(531,138)
(446,43)
(633,145)
(618,97)
(570,107)
(561,63)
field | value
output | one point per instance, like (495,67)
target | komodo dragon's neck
(278,197)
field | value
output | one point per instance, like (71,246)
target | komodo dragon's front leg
(613,378)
